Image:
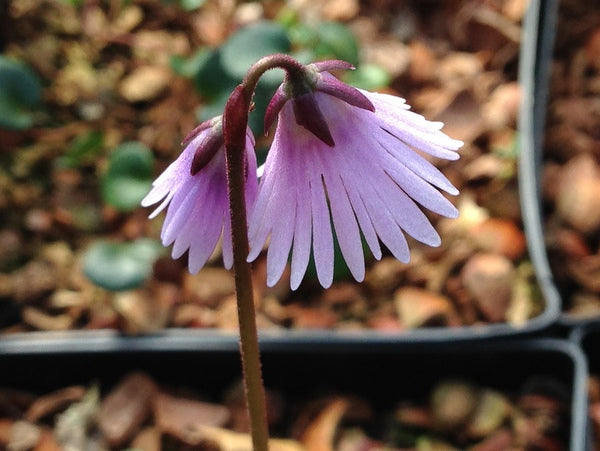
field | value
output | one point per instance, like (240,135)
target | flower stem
(235,122)
(249,348)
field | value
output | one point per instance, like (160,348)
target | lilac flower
(195,188)
(353,159)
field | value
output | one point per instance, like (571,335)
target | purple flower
(195,188)
(352,159)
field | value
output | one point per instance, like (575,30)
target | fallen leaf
(126,407)
(320,433)
(52,402)
(185,418)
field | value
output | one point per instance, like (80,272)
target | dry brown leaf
(126,407)
(52,402)
(185,418)
(144,83)
(234,441)
(417,307)
(148,439)
(320,433)
(489,278)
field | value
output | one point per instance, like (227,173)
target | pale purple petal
(420,190)
(364,220)
(282,233)
(197,205)
(415,162)
(251,188)
(346,228)
(322,236)
(302,240)
(188,236)
(371,173)
(386,227)
(406,213)
(226,244)
(370,183)
(162,205)
(168,183)
(301,245)
(259,224)
(184,202)
(203,245)
(260,221)
(413,129)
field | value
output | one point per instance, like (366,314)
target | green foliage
(208,73)
(75,3)
(251,43)
(188,67)
(187,5)
(121,266)
(191,5)
(217,71)
(327,40)
(340,268)
(213,108)
(335,40)
(83,149)
(20,94)
(367,76)
(128,177)
(212,80)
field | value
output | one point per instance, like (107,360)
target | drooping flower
(352,159)
(194,187)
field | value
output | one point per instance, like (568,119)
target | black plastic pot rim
(536,54)
(222,340)
(577,336)
(581,331)
(536,347)
(534,78)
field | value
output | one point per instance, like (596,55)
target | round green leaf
(303,35)
(212,80)
(262,96)
(121,266)
(189,66)
(336,41)
(128,177)
(212,108)
(191,5)
(368,76)
(20,93)
(250,44)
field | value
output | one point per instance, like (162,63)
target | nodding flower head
(343,161)
(194,188)
(349,162)
(299,89)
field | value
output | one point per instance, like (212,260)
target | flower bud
(209,146)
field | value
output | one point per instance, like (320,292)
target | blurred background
(96,97)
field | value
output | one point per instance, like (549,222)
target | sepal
(309,116)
